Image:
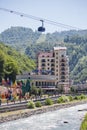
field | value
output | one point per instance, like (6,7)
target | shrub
(63,99)
(31,104)
(70,98)
(77,98)
(48,101)
(38,104)
(82,96)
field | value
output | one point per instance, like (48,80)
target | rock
(65,122)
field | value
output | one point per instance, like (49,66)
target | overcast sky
(70,12)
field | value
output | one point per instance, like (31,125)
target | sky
(68,12)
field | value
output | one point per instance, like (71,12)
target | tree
(40,91)
(11,69)
(60,88)
(23,88)
(34,90)
(2,61)
(28,85)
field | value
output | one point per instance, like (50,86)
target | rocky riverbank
(9,116)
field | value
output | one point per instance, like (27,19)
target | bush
(31,104)
(63,99)
(77,98)
(38,104)
(48,101)
(70,98)
(82,96)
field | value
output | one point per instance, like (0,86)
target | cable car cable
(40,19)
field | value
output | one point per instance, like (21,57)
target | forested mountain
(12,62)
(19,37)
(29,42)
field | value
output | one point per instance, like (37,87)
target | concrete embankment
(14,115)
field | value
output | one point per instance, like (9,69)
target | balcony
(52,65)
(52,60)
(43,60)
(62,60)
(43,65)
(63,77)
(62,68)
(62,73)
(62,64)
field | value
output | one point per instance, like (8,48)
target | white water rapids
(63,119)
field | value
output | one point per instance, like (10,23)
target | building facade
(55,63)
(52,70)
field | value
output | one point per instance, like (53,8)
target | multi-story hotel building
(52,70)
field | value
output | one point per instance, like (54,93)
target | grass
(84,123)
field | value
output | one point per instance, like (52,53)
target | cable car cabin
(41,29)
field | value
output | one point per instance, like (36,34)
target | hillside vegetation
(29,42)
(12,63)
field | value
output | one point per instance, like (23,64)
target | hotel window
(62,55)
(43,60)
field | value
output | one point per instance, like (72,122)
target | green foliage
(83,96)
(28,86)
(77,98)
(48,101)
(19,35)
(2,61)
(34,90)
(40,91)
(13,63)
(31,104)
(60,88)
(80,97)
(25,87)
(10,69)
(70,98)
(63,99)
(38,104)
(84,124)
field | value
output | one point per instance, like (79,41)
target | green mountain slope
(19,37)
(12,62)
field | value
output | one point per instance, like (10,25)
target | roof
(45,54)
(43,77)
(60,48)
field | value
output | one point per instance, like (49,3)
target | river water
(53,120)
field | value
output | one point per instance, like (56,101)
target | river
(63,119)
